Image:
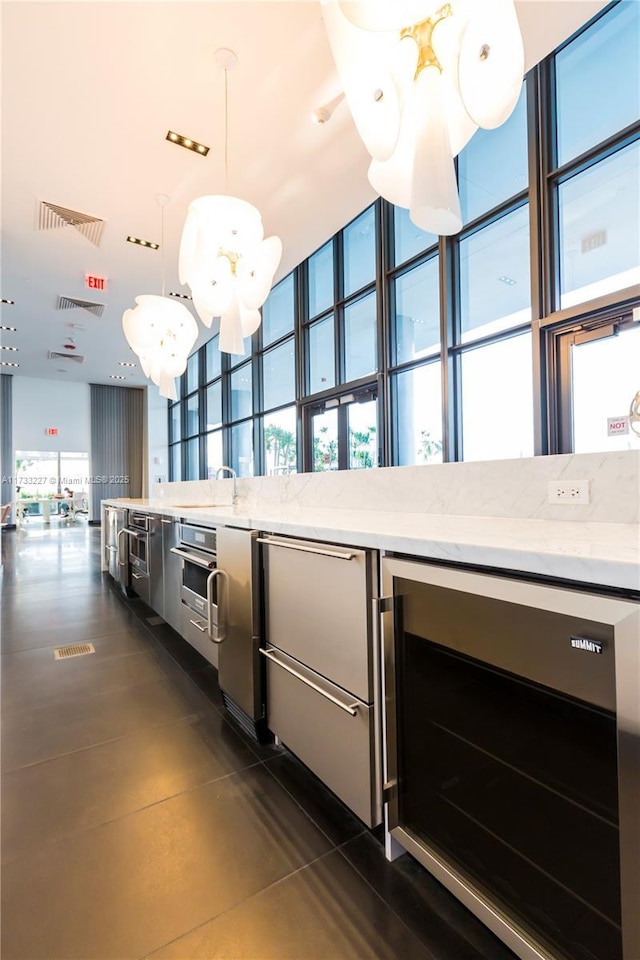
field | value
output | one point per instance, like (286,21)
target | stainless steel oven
(201,590)
(513,753)
(138,536)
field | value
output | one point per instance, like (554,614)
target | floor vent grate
(154,621)
(75,650)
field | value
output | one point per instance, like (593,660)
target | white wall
(38,404)
(157,430)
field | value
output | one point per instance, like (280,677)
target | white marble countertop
(604,554)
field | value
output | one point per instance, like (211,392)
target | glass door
(324,439)
(506,741)
(599,386)
(343,432)
(41,477)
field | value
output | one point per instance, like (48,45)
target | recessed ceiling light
(143,243)
(509,282)
(12,329)
(116,376)
(7,301)
(182,296)
(8,363)
(8,348)
(126,363)
(187,143)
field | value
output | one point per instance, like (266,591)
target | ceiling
(89,91)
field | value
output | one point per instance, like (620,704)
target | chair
(79,504)
(5,510)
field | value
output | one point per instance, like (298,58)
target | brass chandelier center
(422,34)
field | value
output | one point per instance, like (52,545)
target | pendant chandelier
(162,332)
(224,257)
(420,77)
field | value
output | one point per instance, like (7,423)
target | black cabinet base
(256,729)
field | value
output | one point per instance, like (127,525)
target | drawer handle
(296,546)
(351,708)
(199,625)
(162,520)
(138,576)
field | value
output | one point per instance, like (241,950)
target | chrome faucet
(235,480)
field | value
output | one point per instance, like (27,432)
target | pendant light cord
(162,246)
(226,134)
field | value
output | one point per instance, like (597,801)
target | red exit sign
(51,431)
(95,283)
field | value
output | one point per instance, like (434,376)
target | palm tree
(325,453)
(361,442)
(281,445)
(428,448)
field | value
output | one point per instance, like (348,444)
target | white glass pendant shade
(249,321)
(205,315)
(478,49)
(392,178)
(363,62)
(162,333)
(228,265)
(216,223)
(491,62)
(434,204)
(255,272)
(446,38)
(181,326)
(211,284)
(387,14)
(231,339)
(167,387)
(141,328)
(174,363)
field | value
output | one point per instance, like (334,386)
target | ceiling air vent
(73,303)
(75,357)
(53,217)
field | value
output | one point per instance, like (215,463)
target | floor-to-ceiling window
(393,346)
(279,388)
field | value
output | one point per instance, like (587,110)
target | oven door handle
(221,624)
(119,550)
(135,533)
(193,558)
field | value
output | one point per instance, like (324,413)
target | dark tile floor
(138,822)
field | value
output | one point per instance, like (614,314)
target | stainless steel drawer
(194,631)
(318,608)
(327,728)
(140,584)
